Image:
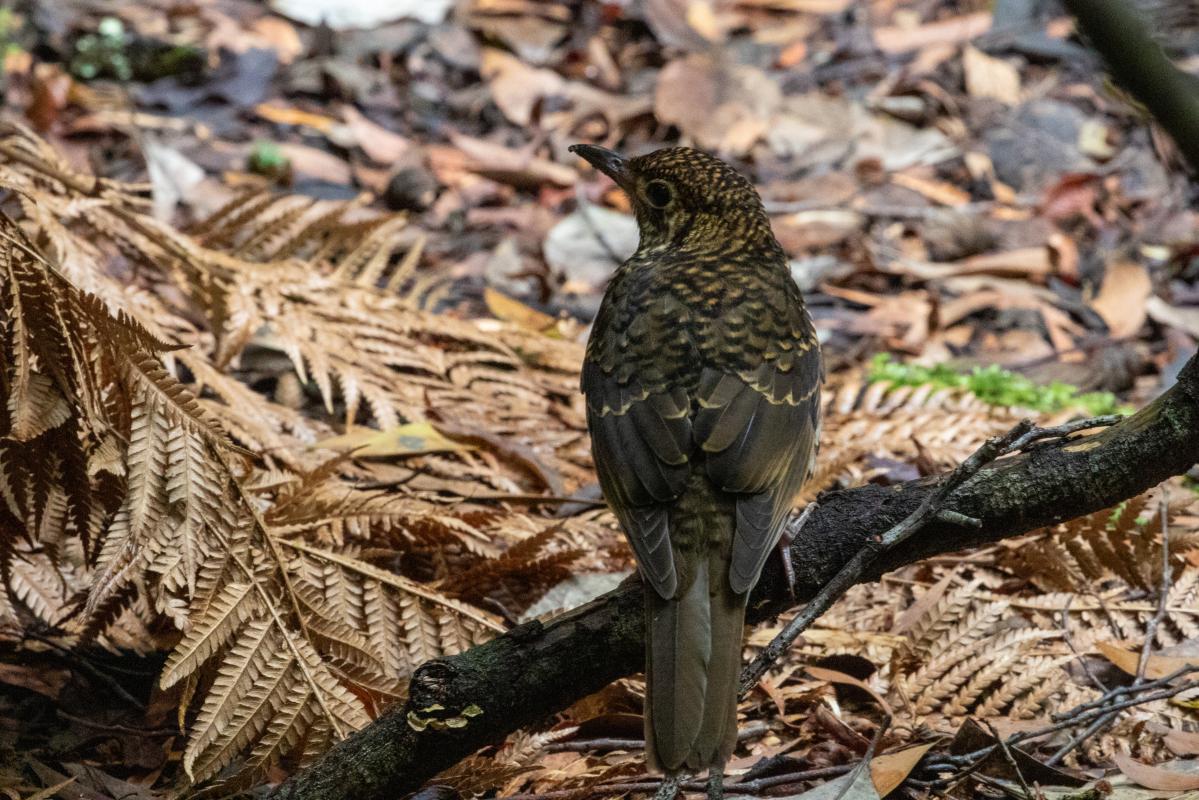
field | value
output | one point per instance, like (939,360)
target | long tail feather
(693,660)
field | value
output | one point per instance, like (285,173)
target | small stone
(411,189)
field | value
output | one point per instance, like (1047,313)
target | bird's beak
(603,159)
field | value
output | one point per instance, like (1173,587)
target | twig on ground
(933,507)
(601,744)
(1069,640)
(1011,760)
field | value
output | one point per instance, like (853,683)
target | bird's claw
(784,546)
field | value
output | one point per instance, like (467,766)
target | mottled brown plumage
(702,379)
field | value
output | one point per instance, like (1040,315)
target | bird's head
(685,199)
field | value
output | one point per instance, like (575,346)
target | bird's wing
(759,430)
(641,443)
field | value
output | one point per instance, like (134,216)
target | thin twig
(1069,640)
(1117,692)
(853,570)
(1062,431)
(933,506)
(1011,760)
(606,743)
(1163,587)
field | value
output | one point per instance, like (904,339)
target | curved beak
(603,159)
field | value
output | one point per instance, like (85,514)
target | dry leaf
(411,439)
(309,162)
(380,145)
(512,310)
(1157,777)
(287,115)
(516,87)
(280,36)
(340,15)
(173,176)
(1157,666)
(1182,743)
(724,107)
(890,770)
(836,676)
(856,785)
(1184,319)
(1095,139)
(508,165)
(1121,298)
(899,39)
(987,76)
(938,191)
(586,246)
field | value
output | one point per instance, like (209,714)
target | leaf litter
(994,216)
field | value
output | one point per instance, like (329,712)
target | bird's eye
(658,194)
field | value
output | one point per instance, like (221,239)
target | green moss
(997,386)
(268,159)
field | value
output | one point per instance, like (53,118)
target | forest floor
(362,224)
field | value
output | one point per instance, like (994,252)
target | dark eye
(658,194)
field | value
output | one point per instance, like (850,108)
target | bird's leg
(784,545)
(669,789)
(716,783)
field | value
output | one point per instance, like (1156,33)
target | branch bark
(457,705)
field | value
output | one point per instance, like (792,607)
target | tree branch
(1140,65)
(459,704)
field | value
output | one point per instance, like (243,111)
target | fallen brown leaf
(1121,298)
(1156,777)
(380,145)
(889,770)
(987,76)
(897,39)
(516,87)
(512,310)
(1156,667)
(317,164)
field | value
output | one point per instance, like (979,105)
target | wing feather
(758,431)
(641,445)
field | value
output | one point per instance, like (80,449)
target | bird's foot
(716,783)
(784,546)
(669,789)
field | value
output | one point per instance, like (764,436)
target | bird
(702,377)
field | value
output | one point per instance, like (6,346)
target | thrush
(702,378)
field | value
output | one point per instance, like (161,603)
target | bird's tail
(693,661)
